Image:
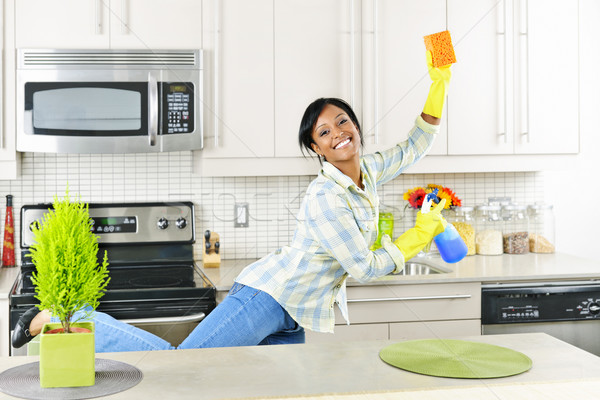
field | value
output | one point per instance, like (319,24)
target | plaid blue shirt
(337,224)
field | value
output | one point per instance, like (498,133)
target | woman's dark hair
(311,114)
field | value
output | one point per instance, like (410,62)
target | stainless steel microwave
(109,101)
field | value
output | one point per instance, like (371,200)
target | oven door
(172,329)
(107,102)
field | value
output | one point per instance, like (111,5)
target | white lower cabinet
(402,312)
(434,329)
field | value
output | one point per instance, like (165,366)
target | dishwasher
(569,311)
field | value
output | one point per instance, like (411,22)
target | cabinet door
(548,77)
(479,103)
(9,162)
(409,303)
(396,82)
(62,24)
(238,109)
(156,24)
(316,48)
(435,329)
(350,333)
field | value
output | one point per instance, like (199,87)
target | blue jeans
(246,317)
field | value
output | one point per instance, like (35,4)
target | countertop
(342,368)
(486,269)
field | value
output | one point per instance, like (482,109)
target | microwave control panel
(178,107)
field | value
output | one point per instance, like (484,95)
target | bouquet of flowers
(416,196)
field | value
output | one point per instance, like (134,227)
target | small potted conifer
(68,278)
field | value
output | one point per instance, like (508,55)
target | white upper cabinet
(9,160)
(238,113)
(62,24)
(548,101)
(103,24)
(316,54)
(515,84)
(155,24)
(395,78)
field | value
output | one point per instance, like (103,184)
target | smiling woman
(295,287)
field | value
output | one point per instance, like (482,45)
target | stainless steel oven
(109,101)
(155,283)
(569,311)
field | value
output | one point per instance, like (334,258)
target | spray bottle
(451,246)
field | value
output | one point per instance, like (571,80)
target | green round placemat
(455,358)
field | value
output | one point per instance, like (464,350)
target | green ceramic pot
(67,360)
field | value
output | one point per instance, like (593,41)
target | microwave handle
(152,110)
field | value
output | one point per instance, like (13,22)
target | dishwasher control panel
(517,304)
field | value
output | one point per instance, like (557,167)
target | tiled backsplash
(273,201)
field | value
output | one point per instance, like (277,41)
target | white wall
(575,191)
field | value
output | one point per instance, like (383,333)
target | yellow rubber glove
(428,226)
(437,92)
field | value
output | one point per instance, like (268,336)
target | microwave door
(86,111)
(84,117)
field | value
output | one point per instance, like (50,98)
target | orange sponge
(440,45)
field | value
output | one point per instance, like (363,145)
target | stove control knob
(594,308)
(163,223)
(181,223)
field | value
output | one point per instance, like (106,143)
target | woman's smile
(342,144)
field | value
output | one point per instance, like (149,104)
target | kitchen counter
(486,269)
(343,368)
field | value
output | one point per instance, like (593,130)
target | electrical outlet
(241,215)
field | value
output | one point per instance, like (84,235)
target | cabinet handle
(152,109)
(504,89)
(216,65)
(98,17)
(375,73)
(124,18)
(524,39)
(452,296)
(166,320)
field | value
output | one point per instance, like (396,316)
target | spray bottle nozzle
(429,198)
(432,196)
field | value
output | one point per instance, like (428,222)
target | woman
(275,298)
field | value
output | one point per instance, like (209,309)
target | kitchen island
(341,369)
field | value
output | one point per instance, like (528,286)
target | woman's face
(335,136)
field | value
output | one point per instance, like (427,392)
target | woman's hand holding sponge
(440,56)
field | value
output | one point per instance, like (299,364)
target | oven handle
(152,109)
(166,320)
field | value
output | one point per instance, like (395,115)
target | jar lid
(464,210)
(540,206)
(487,207)
(512,207)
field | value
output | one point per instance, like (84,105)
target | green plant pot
(67,360)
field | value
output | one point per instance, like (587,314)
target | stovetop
(150,254)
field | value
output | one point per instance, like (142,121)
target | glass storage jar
(541,228)
(488,230)
(464,221)
(515,234)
